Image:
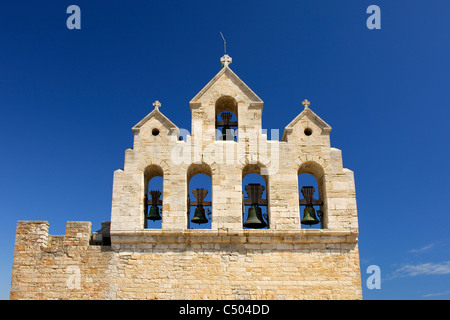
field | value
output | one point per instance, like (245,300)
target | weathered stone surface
(158,264)
(285,261)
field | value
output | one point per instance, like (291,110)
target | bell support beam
(255,191)
(199,195)
(308,197)
(314,202)
(154,198)
(229,123)
(226,121)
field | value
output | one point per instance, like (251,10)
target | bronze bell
(154,213)
(255,219)
(154,209)
(226,130)
(309,216)
(199,215)
(226,133)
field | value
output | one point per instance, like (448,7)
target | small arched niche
(226,117)
(199,199)
(311,193)
(255,198)
(153,182)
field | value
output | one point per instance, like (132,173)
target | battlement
(190,264)
(34,234)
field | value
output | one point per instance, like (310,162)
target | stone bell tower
(259,244)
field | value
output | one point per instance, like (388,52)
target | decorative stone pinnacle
(306,103)
(156,104)
(226,60)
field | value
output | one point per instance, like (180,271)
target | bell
(226,130)
(199,215)
(309,216)
(255,219)
(226,133)
(154,213)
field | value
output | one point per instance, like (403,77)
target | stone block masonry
(227,261)
(189,264)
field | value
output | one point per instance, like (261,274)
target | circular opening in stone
(155,132)
(308,131)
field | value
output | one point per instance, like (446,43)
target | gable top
(226,60)
(161,117)
(307,112)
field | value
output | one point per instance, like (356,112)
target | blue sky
(68,100)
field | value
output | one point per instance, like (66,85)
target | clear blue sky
(68,100)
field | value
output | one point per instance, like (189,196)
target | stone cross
(306,103)
(156,104)
(226,60)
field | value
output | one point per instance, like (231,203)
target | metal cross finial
(226,60)
(306,103)
(224,44)
(156,104)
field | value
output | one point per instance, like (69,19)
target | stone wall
(188,264)
(285,261)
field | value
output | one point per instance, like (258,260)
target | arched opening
(311,195)
(153,179)
(255,203)
(226,116)
(199,199)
